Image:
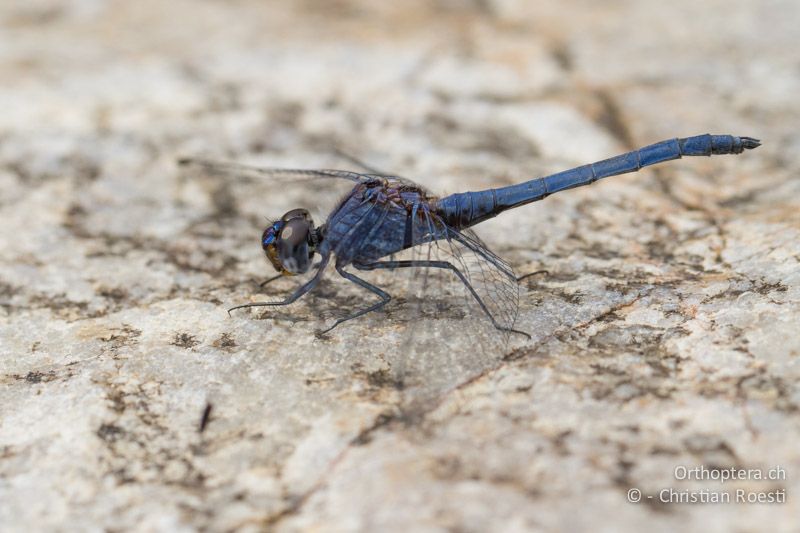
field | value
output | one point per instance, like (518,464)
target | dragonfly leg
(270,280)
(447,266)
(384,296)
(531,274)
(307,286)
(278,276)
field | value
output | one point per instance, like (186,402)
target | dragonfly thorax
(290,243)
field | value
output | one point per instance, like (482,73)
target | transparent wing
(490,275)
(488,279)
(445,287)
(237,170)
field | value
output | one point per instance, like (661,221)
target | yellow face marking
(287,232)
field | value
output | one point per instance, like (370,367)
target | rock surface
(664,332)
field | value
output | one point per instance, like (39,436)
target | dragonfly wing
(490,275)
(496,291)
(226,168)
(444,335)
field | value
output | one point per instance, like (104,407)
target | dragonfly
(384,214)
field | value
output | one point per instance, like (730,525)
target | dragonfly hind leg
(384,296)
(531,274)
(447,266)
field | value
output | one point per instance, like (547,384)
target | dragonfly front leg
(447,266)
(307,286)
(385,298)
(270,280)
(278,276)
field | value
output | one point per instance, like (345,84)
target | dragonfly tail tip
(749,143)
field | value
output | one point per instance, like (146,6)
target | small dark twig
(206,418)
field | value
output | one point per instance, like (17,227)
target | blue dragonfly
(384,214)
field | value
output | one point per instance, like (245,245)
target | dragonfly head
(290,242)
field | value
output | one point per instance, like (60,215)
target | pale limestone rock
(664,333)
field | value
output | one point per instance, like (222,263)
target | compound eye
(297,213)
(269,235)
(269,241)
(294,232)
(293,249)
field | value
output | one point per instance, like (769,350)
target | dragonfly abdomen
(463,210)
